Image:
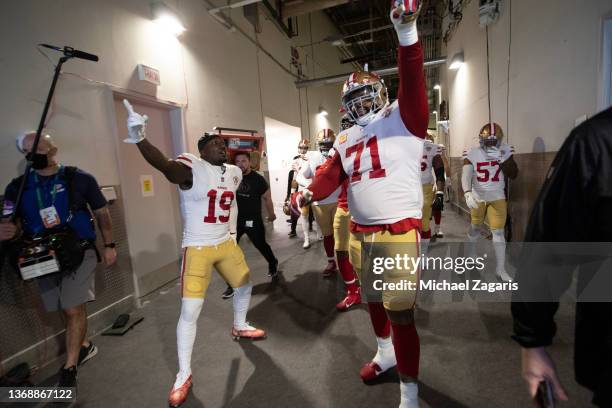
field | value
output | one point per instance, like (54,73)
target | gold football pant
(428,196)
(324,215)
(342,221)
(395,300)
(495,211)
(227,258)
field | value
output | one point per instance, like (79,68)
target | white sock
(304,222)
(241,301)
(424,246)
(385,355)
(436,229)
(499,245)
(473,233)
(409,395)
(185,336)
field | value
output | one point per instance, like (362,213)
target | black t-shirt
(249,194)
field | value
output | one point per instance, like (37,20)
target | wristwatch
(111,245)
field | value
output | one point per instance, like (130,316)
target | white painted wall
(554,73)
(218,76)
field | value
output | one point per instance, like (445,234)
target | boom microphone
(72,53)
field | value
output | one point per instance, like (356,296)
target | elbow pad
(466,177)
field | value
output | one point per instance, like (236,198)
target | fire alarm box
(242,141)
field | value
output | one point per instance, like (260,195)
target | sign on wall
(146,185)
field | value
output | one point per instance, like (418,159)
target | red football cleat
(249,333)
(330,269)
(351,299)
(370,371)
(178,395)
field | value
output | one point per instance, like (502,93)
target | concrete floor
(313,354)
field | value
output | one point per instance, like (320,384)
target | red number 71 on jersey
(377,170)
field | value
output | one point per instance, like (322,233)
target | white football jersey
(488,181)
(383,163)
(308,171)
(206,205)
(296,166)
(430,150)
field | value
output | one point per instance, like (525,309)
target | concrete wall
(554,55)
(217,77)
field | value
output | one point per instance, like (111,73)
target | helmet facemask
(362,103)
(490,136)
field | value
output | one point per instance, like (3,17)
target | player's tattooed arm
(510,168)
(174,171)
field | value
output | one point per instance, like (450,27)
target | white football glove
(404,15)
(136,124)
(505,153)
(471,200)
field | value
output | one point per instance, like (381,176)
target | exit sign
(148,74)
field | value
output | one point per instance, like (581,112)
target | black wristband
(111,245)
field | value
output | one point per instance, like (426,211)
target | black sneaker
(229,293)
(67,377)
(87,353)
(273,270)
(292,234)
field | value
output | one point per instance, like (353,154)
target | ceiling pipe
(299,7)
(233,6)
(334,79)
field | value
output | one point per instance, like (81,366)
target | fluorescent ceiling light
(166,18)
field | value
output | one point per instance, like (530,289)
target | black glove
(438,203)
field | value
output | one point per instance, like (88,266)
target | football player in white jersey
(431,164)
(324,210)
(208,189)
(381,158)
(483,179)
(304,215)
(438,205)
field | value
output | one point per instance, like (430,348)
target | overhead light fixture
(166,18)
(457,61)
(322,112)
(438,88)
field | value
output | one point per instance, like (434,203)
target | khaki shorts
(62,291)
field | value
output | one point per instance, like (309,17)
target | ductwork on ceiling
(334,79)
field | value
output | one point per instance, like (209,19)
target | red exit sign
(148,74)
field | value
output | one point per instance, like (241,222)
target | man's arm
(412,96)
(267,199)
(329,177)
(510,168)
(175,172)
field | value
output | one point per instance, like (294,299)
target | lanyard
(53,192)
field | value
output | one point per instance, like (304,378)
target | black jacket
(574,205)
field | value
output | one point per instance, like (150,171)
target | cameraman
(50,201)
